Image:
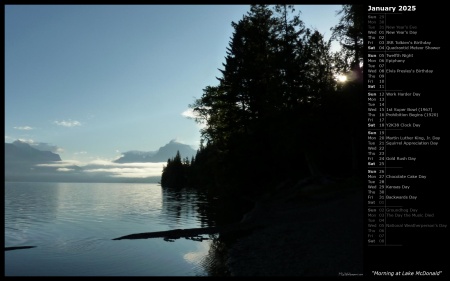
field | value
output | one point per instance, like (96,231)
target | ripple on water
(73,225)
(65,248)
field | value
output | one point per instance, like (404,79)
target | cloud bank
(107,171)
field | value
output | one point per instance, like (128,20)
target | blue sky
(92,82)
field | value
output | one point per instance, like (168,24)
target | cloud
(80,152)
(43,146)
(105,168)
(29,141)
(65,170)
(189,113)
(69,123)
(125,170)
(62,164)
(94,171)
(26,128)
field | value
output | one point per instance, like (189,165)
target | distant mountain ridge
(162,155)
(22,152)
(24,163)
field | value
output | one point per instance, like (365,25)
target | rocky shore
(318,232)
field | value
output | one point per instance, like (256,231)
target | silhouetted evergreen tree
(175,173)
(350,33)
(275,73)
(277,112)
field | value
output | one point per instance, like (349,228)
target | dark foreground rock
(319,235)
(307,229)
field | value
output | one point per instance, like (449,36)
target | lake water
(73,224)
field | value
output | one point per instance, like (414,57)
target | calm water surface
(73,224)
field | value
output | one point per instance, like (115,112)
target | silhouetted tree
(174,174)
(350,33)
(275,73)
(277,111)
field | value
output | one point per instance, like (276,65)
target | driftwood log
(18,248)
(192,233)
(172,234)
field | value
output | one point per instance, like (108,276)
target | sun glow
(342,78)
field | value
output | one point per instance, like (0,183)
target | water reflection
(73,225)
(26,208)
(181,205)
(215,262)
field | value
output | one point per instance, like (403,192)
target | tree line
(278,112)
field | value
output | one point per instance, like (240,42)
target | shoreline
(320,236)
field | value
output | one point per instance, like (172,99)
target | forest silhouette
(278,113)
